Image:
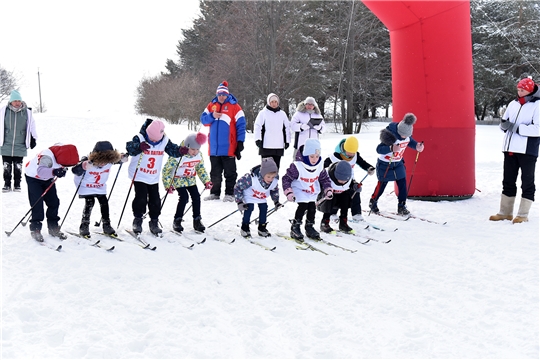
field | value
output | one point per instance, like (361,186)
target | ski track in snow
(467,289)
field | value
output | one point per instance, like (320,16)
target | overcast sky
(91,55)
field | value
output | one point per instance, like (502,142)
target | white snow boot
(523,212)
(507,209)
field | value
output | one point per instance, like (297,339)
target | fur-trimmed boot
(507,209)
(523,212)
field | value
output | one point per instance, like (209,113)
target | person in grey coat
(18,135)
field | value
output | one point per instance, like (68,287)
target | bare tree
(8,82)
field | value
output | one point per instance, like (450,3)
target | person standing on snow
(147,149)
(272,134)
(91,175)
(521,126)
(395,139)
(347,150)
(306,123)
(18,135)
(225,118)
(41,173)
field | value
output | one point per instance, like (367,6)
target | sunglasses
(222,94)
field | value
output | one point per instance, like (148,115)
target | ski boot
(262,231)
(154,227)
(36,235)
(310,230)
(137,225)
(373,206)
(244,230)
(296,233)
(177,225)
(198,225)
(344,227)
(108,229)
(402,209)
(325,226)
(84,229)
(55,231)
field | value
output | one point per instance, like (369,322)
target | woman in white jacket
(272,135)
(306,123)
(521,125)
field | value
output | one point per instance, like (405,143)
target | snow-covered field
(467,289)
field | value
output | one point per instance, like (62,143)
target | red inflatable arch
(432,77)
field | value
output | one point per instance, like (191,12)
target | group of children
(314,184)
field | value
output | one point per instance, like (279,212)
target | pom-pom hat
(223,88)
(526,84)
(194,141)
(268,165)
(343,171)
(405,126)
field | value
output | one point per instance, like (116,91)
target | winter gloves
(60,172)
(371,170)
(208,185)
(144,146)
(239,148)
(242,207)
(420,147)
(259,144)
(290,195)
(507,125)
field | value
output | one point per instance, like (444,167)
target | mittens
(371,170)
(208,185)
(328,194)
(60,172)
(242,207)
(290,195)
(144,146)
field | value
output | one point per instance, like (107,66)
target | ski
(141,242)
(422,219)
(361,236)
(49,245)
(334,245)
(96,244)
(189,237)
(250,239)
(378,228)
(303,244)
(190,246)
(84,237)
(390,215)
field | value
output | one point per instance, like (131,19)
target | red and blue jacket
(226,131)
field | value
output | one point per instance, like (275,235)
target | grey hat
(194,141)
(310,100)
(405,126)
(268,165)
(343,171)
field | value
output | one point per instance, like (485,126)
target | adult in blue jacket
(225,118)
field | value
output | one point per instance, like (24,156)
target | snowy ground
(467,289)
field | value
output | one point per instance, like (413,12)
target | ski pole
(270,212)
(71,203)
(110,193)
(27,219)
(414,168)
(170,184)
(130,186)
(8,233)
(190,205)
(361,181)
(223,218)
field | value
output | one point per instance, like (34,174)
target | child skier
(340,175)
(395,139)
(41,174)
(91,175)
(150,144)
(179,174)
(302,183)
(254,188)
(347,150)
